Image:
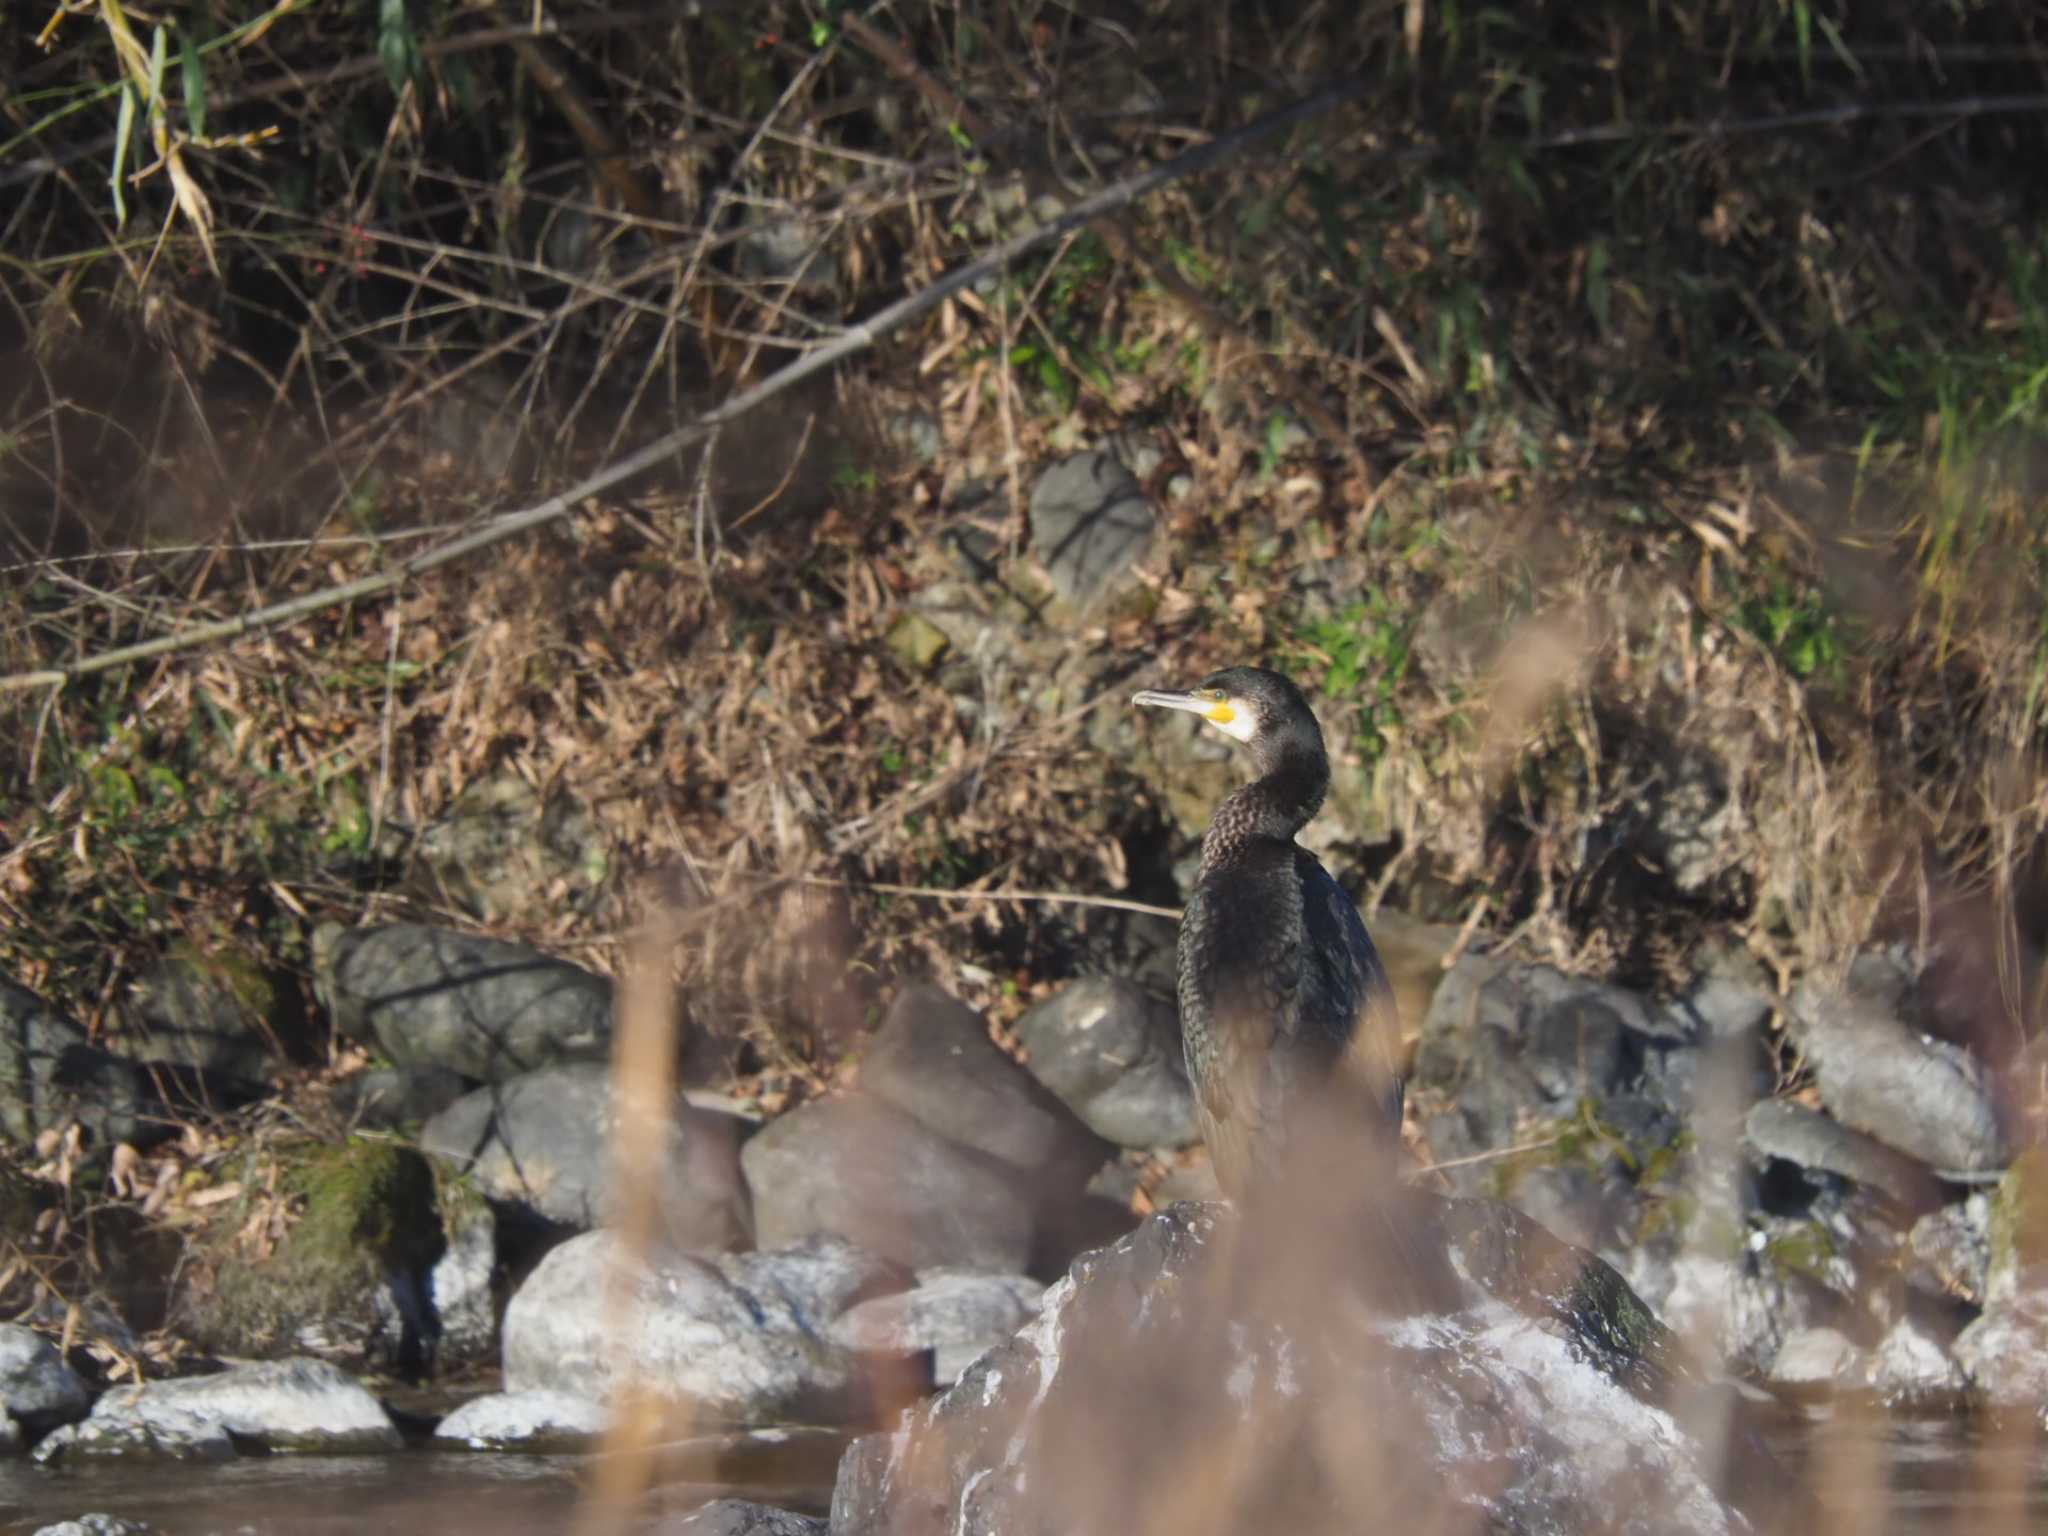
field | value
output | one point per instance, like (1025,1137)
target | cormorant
(1285,1008)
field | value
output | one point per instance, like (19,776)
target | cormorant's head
(1262,709)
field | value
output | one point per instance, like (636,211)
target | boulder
(482,1007)
(1112,1052)
(280,1405)
(871,1173)
(1090,525)
(1878,1073)
(1806,1138)
(211,1014)
(543,1143)
(932,1058)
(744,1338)
(37,1389)
(1458,1411)
(2003,1355)
(51,1073)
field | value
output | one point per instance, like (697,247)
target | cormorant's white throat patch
(1232,721)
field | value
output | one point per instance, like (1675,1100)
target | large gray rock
(1090,524)
(1928,1098)
(37,1389)
(956,1314)
(933,1059)
(1779,1128)
(51,1073)
(871,1173)
(745,1337)
(279,1405)
(482,1007)
(544,1142)
(1112,1052)
(1157,1352)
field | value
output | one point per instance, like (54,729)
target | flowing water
(1870,1476)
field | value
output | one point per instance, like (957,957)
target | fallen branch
(855,339)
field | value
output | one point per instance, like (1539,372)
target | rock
(956,1314)
(51,1074)
(932,1058)
(1878,1074)
(397,1098)
(161,1434)
(97,1525)
(351,1279)
(1951,1250)
(210,1014)
(1090,524)
(1156,1353)
(543,1143)
(1508,1048)
(1809,1139)
(1112,1052)
(37,1389)
(739,1517)
(502,850)
(524,1421)
(744,1338)
(871,1173)
(279,1405)
(2003,1355)
(484,1008)
(1912,1364)
(1811,1357)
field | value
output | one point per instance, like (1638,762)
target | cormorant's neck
(1277,804)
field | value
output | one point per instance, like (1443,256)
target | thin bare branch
(854,340)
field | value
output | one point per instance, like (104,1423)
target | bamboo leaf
(124,127)
(193,84)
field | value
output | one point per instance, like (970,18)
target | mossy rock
(365,1211)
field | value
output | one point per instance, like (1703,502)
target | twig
(939,893)
(1491,1155)
(854,340)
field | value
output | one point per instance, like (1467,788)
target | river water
(1869,1475)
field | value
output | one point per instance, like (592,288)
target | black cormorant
(1284,1006)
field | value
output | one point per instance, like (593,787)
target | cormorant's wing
(1348,993)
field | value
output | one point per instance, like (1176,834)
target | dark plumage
(1284,1005)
